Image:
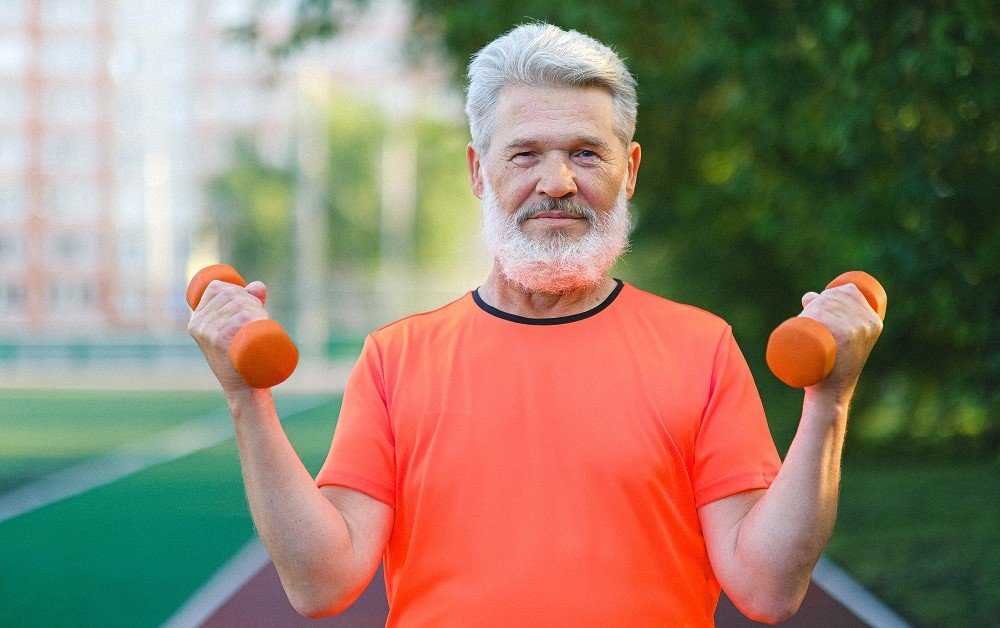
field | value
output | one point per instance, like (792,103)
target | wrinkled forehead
(553,116)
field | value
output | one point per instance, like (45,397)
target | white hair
(555,264)
(542,55)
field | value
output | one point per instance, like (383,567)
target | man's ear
(634,157)
(475,170)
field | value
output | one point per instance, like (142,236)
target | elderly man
(557,447)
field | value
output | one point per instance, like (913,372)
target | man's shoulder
(680,316)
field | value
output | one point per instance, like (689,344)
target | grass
(130,553)
(42,431)
(920,533)
(924,537)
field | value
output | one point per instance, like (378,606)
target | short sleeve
(362,453)
(734,450)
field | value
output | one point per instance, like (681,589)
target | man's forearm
(305,535)
(785,532)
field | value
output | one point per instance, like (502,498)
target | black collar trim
(558,320)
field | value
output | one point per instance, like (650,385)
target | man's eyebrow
(585,140)
(520,143)
(592,140)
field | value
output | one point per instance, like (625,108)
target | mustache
(556,204)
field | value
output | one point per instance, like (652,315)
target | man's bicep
(368,520)
(720,524)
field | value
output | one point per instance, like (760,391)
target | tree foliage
(786,142)
(252,203)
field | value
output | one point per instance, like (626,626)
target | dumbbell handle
(261,351)
(801,351)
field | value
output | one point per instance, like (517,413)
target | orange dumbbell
(261,351)
(801,351)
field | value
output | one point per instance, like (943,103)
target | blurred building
(113,116)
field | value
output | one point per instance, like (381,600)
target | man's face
(553,142)
(555,183)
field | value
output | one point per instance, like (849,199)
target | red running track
(262,603)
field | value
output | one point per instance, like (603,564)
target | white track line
(854,596)
(171,444)
(222,586)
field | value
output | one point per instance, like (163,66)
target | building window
(13,55)
(72,201)
(71,298)
(65,56)
(130,251)
(12,299)
(132,303)
(13,152)
(69,13)
(73,153)
(13,200)
(11,250)
(129,208)
(13,107)
(78,251)
(13,12)
(65,102)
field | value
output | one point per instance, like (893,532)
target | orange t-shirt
(548,472)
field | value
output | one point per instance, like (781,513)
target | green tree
(252,204)
(355,132)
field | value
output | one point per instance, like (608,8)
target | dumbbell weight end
(801,351)
(261,351)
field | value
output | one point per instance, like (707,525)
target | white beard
(556,263)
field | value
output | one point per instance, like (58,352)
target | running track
(262,602)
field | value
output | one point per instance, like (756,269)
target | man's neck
(506,296)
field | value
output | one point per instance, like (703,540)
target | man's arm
(764,544)
(326,544)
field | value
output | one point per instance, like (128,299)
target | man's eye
(586,154)
(522,157)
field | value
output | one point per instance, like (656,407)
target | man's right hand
(326,544)
(223,310)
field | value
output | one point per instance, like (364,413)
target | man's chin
(543,280)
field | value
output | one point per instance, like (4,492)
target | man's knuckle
(197,328)
(211,290)
(876,326)
(218,342)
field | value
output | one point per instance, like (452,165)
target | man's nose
(556,178)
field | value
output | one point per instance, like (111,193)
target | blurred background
(318,145)
(144,140)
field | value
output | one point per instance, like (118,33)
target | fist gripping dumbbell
(261,351)
(801,351)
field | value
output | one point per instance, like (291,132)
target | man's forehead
(524,113)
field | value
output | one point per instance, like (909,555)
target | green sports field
(129,552)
